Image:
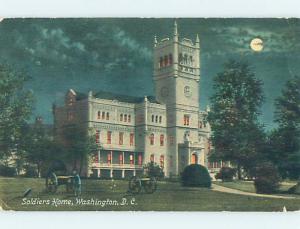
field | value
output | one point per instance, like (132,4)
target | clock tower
(176,80)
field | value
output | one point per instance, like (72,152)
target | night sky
(116,54)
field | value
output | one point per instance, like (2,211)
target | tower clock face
(187,91)
(164,92)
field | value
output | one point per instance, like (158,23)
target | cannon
(72,183)
(136,184)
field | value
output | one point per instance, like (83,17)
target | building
(168,129)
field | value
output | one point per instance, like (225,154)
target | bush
(226,174)
(266,178)
(30,171)
(195,176)
(154,170)
(7,171)
(295,189)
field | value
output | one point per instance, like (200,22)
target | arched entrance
(194,159)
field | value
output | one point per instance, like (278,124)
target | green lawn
(168,197)
(248,186)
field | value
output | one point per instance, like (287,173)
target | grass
(248,186)
(168,197)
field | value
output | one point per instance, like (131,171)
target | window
(162,139)
(131,159)
(152,118)
(166,61)
(162,161)
(125,118)
(140,159)
(96,158)
(156,118)
(121,159)
(121,117)
(152,158)
(170,59)
(108,137)
(103,115)
(161,62)
(97,136)
(186,120)
(121,135)
(109,158)
(152,139)
(99,115)
(107,116)
(129,118)
(200,124)
(194,159)
(160,118)
(171,140)
(131,139)
(70,115)
(187,89)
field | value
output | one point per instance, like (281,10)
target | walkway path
(219,188)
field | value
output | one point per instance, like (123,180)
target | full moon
(257,44)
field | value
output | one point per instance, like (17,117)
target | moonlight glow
(256,44)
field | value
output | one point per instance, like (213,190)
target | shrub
(154,170)
(7,171)
(266,178)
(30,171)
(195,176)
(295,189)
(226,174)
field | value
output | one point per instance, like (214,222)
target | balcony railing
(120,166)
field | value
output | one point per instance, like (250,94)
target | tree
(154,170)
(237,135)
(39,147)
(79,144)
(16,104)
(285,140)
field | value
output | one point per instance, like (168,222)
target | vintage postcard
(150,114)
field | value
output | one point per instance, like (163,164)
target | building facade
(168,129)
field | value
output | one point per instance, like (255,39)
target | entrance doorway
(194,159)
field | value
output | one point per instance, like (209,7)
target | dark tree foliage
(237,135)
(266,178)
(195,176)
(226,174)
(154,170)
(285,140)
(79,145)
(16,104)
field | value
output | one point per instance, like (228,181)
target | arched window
(129,118)
(170,59)
(194,159)
(152,139)
(166,61)
(162,139)
(180,58)
(97,136)
(125,118)
(98,115)
(162,161)
(185,59)
(107,116)
(160,118)
(121,117)
(103,115)
(152,118)
(156,118)
(152,158)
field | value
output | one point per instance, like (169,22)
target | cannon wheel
(51,182)
(135,185)
(150,185)
(77,185)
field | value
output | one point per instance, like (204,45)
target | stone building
(168,129)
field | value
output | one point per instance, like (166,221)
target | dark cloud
(116,54)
